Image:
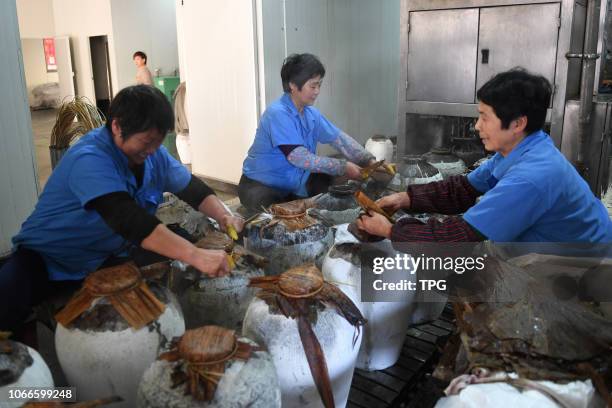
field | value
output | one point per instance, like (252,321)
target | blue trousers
(23,283)
(254,195)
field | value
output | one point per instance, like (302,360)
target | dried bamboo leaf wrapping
(66,130)
(75,307)
(134,301)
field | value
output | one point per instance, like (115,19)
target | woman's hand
(213,263)
(165,242)
(394,202)
(234,221)
(375,224)
(352,171)
(213,207)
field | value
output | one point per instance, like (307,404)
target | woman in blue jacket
(282,163)
(99,204)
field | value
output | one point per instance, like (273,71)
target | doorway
(100,67)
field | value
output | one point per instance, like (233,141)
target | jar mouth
(379,138)
(301,282)
(440,150)
(411,158)
(341,190)
(113,280)
(208,345)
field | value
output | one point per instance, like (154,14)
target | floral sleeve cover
(302,158)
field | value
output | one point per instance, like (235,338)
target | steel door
(442,47)
(524,35)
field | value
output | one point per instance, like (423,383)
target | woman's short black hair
(141,55)
(299,68)
(140,108)
(517,93)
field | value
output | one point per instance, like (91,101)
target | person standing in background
(143,75)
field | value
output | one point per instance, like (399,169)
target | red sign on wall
(49,47)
